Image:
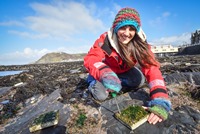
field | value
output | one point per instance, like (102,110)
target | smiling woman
(113,59)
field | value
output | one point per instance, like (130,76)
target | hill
(56,57)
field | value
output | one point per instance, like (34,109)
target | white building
(164,50)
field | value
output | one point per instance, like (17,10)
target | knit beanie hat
(127,16)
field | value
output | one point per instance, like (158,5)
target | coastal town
(187,49)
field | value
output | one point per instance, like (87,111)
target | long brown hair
(137,50)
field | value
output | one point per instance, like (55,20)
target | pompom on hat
(127,16)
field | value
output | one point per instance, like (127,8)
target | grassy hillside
(60,57)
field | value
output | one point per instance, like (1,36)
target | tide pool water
(6,73)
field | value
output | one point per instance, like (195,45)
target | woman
(112,59)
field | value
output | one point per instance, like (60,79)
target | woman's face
(125,34)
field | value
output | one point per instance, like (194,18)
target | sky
(30,29)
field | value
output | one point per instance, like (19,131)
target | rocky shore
(62,86)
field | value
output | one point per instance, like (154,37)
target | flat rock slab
(45,104)
(4,90)
(191,77)
(181,120)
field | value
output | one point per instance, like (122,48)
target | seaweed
(81,119)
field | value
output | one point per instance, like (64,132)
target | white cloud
(63,19)
(29,35)
(24,57)
(160,19)
(11,23)
(165,14)
(29,55)
(60,19)
(173,40)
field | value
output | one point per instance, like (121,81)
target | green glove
(113,94)
(160,111)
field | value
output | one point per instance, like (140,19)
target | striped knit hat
(127,16)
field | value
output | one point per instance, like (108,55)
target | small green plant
(81,119)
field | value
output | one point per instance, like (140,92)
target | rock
(183,119)
(21,123)
(4,90)
(63,86)
(5,102)
(191,77)
(19,84)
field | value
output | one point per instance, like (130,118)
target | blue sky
(31,28)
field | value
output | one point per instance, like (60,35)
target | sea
(6,73)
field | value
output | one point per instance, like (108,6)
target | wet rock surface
(45,87)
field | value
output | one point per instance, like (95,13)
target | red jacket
(103,57)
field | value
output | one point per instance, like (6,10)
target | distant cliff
(60,57)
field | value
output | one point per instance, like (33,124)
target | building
(194,47)
(167,50)
(164,50)
(195,38)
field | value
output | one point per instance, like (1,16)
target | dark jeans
(131,79)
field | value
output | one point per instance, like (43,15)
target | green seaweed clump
(43,118)
(9,110)
(81,119)
(132,114)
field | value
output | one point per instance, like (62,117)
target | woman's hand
(153,118)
